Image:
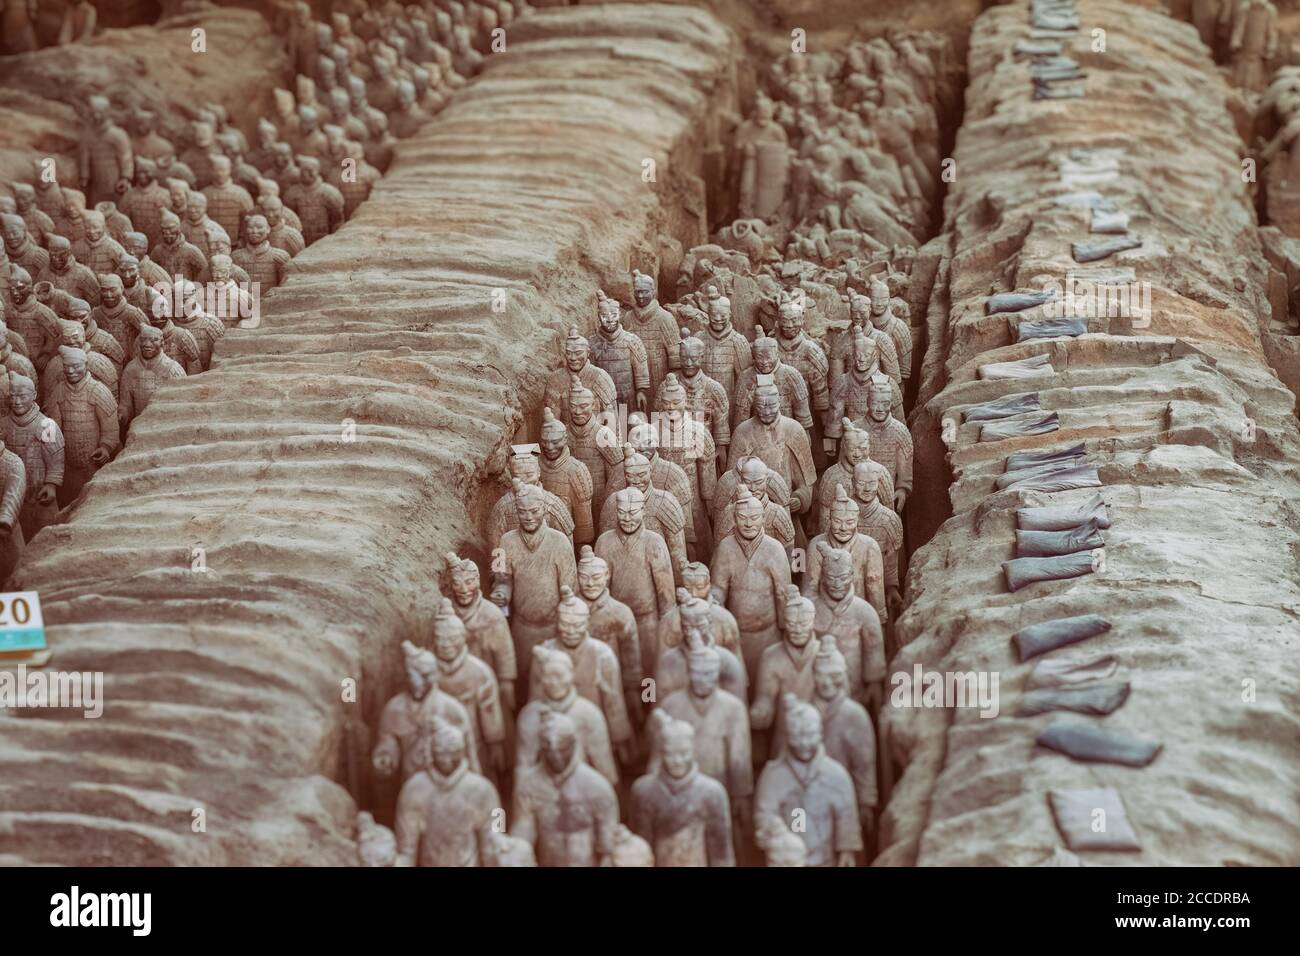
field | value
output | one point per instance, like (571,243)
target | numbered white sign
(22,628)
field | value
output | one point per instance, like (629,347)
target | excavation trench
(1194,440)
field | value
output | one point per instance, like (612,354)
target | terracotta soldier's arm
(720,579)
(581,491)
(873,651)
(799,407)
(904,467)
(566,571)
(661,573)
(612,702)
(503,586)
(766,691)
(847,831)
(643,816)
(387,755)
(15,490)
(742,401)
(804,480)
(875,573)
(740,767)
(722,422)
(54,453)
(124,154)
(410,829)
(834,425)
(606,823)
(501,649)
(812,573)
(106,415)
(523,823)
(126,404)
(717,831)
(491,724)
(83,161)
(628,645)
(780,575)
(640,371)
(862,767)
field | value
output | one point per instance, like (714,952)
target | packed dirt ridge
(1192,436)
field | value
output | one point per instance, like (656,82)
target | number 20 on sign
(22,627)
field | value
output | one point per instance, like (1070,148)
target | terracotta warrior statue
(613,623)
(655,327)
(883,319)
(178,343)
(785,667)
(685,442)
(175,254)
(842,348)
(566,477)
(641,573)
(622,355)
(535,562)
(725,632)
(471,682)
(768,368)
(317,203)
(524,465)
(847,731)
(21,248)
(853,391)
(842,519)
(68,275)
(145,201)
(97,249)
(853,623)
(885,528)
(707,403)
(591,441)
(39,223)
(228,202)
(204,328)
(661,512)
(106,158)
(577,362)
(890,442)
(13,488)
(764,169)
(86,412)
(804,790)
(486,630)
(726,352)
(750,575)
(754,477)
(665,475)
(281,233)
(38,441)
(564,808)
(782,445)
(854,448)
(38,325)
(801,352)
(73,333)
(684,814)
(265,263)
(696,625)
(558,694)
(409,714)
(114,314)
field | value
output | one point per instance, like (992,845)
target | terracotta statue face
(854,449)
(257,229)
(76,337)
(767,406)
(804,738)
(557,747)
(678,754)
(531,512)
(798,627)
(421,677)
(674,408)
(15,234)
(765,358)
(879,303)
(94,227)
(880,404)
(638,477)
(702,677)
(179,194)
(21,399)
(575,355)
(592,581)
(719,315)
(447,752)
(448,642)
(763,111)
(837,585)
(827,681)
(59,257)
(553,444)
(137,244)
(643,293)
(790,322)
(220,265)
(464,589)
(581,408)
(692,355)
(864,355)
(609,316)
(631,514)
(19,288)
(698,583)
(753,475)
(749,521)
(74,370)
(24,197)
(196,208)
(865,484)
(843,526)
(150,342)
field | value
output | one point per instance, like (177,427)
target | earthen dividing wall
(1196,443)
(224,688)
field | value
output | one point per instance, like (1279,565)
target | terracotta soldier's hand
(626,752)
(100,455)
(46,495)
(641,403)
(845,859)
(498,597)
(508,695)
(742,808)
(894,601)
(497,756)
(900,499)
(122,186)
(722,458)
(385,763)
(83,182)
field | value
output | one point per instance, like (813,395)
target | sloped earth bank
(224,689)
(1191,433)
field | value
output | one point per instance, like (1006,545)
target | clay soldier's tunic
(32,258)
(726,634)
(320,206)
(265,263)
(750,578)
(901,333)
(38,223)
(596,446)
(596,677)
(687,822)
(178,345)
(721,724)
(613,623)
(657,330)
(144,206)
(99,366)
(725,357)
(76,280)
(105,156)
(891,446)
(789,384)
(778,492)
(539,565)
(852,399)
(842,354)
(842,474)
(101,342)
(122,323)
(641,576)
(783,446)
(850,740)
(777,523)
(808,359)
(689,446)
(287,239)
(673,672)
(140,379)
(446,821)
(568,479)
(181,259)
(570,818)
(473,684)
(782,669)
(100,257)
(504,517)
(665,475)
(38,441)
(856,628)
(488,636)
(868,569)
(588,721)
(623,357)
(205,329)
(404,719)
(886,528)
(228,205)
(87,415)
(708,403)
(595,379)
(663,515)
(38,326)
(823,791)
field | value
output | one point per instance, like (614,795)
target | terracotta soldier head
(60,251)
(523,464)
(752,472)
(530,506)
(749,515)
(643,289)
(676,745)
(576,351)
(703,668)
(308,170)
(149,341)
(128,273)
(196,209)
(446,747)
(697,579)
(572,616)
(865,353)
(879,303)
(169,226)
(719,307)
(859,310)
(866,481)
(630,503)
(673,404)
(556,671)
(20,283)
(855,445)
(842,519)
(881,397)
(463,580)
(22,394)
(608,314)
(15,233)
(559,739)
(582,402)
(24,197)
(830,672)
(421,669)
(766,354)
(797,617)
(554,438)
(642,438)
(636,470)
(691,352)
(593,574)
(767,404)
(449,636)
(803,728)
(790,318)
(696,619)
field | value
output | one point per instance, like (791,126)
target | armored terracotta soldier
(178,343)
(445,811)
(265,263)
(49,192)
(595,667)
(721,723)
(281,234)
(137,246)
(536,561)
(409,117)
(175,254)
(726,352)
(242,172)
(86,413)
(803,784)
(891,442)
(577,363)
(695,625)
(70,221)
(698,582)
(524,465)
(97,250)
(706,401)
(410,713)
(661,512)
(777,491)
(134,289)
(884,527)
(566,477)
(591,441)
(471,682)
(34,322)
(622,355)
(665,474)
(21,248)
(847,731)
(558,694)
(350,174)
(683,813)
(115,315)
(685,442)
(768,367)
(39,223)
(641,573)
(12,359)
(764,167)
(883,319)
(205,329)
(750,574)
(563,807)
(105,156)
(148,367)
(486,630)
(785,668)
(38,441)
(13,490)
(655,327)
(339,105)
(72,333)
(854,624)
(262,155)
(800,351)
(317,203)
(855,448)
(853,391)
(612,622)
(842,516)
(116,222)
(777,523)
(67,274)
(169,168)
(228,202)
(782,445)
(841,357)
(96,339)
(202,150)
(231,300)
(56,300)
(201,230)
(284,170)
